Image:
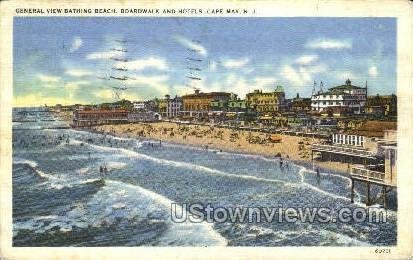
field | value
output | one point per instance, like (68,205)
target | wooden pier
(386,178)
(370,178)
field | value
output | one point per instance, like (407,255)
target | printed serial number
(382,251)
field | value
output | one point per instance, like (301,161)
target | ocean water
(60,198)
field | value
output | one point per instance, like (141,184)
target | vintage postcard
(199,130)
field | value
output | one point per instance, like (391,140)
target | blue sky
(62,60)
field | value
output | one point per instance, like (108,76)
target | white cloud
(106,94)
(307,72)
(148,80)
(264,82)
(102,55)
(235,63)
(302,75)
(78,72)
(76,44)
(323,43)
(191,45)
(213,66)
(48,79)
(231,79)
(344,75)
(72,86)
(248,70)
(373,71)
(132,97)
(306,59)
(233,83)
(141,64)
(75,84)
(292,75)
(157,82)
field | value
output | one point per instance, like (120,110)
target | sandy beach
(294,148)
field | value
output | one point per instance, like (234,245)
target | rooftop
(102,111)
(346,86)
(376,128)
(201,94)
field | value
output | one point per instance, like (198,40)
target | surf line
(218,239)
(217,172)
(187,165)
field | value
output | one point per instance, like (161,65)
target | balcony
(368,175)
(343,150)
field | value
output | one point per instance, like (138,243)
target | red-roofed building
(99,117)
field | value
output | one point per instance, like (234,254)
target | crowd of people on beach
(212,133)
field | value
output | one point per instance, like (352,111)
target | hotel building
(199,104)
(267,102)
(344,99)
(170,107)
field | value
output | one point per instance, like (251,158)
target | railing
(367,174)
(341,149)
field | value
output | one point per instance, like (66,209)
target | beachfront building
(273,120)
(233,104)
(267,102)
(143,116)
(237,105)
(57,108)
(300,105)
(170,107)
(339,100)
(299,122)
(198,104)
(77,107)
(384,174)
(82,118)
(374,128)
(349,123)
(385,105)
(138,105)
(152,105)
(348,140)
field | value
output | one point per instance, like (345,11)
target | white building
(138,105)
(174,107)
(341,99)
(143,116)
(170,107)
(350,140)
